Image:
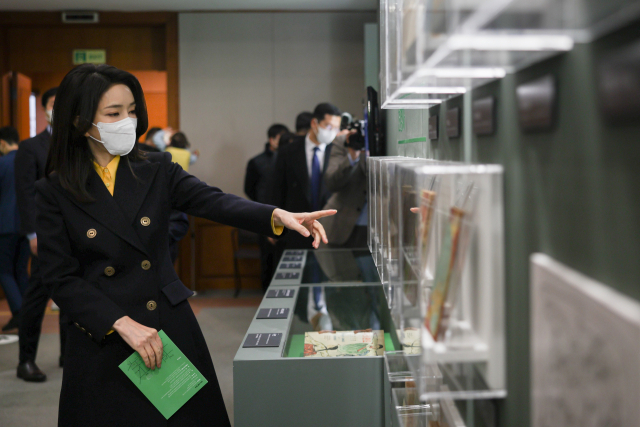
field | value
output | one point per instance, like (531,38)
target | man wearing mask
(256,186)
(30,162)
(297,180)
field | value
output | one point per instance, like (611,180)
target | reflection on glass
(340,266)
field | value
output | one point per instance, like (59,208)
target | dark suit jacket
(110,258)
(258,176)
(9,217)
(30,163)
(291,189)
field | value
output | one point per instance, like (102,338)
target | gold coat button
(145,221)
(109,271)
(146,265)
(91,233)
(151,305)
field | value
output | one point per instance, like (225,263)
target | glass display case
(374,226)
(441,248)
(442,48)
(301,267)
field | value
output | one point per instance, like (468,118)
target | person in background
(14,247)
(303,122)
(179,149)
(346,178)
(286,139)
(256,186)
(148,146)
(297,177)
(30,164)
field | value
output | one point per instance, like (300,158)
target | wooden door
(21,92)
(154,86)
(5,103)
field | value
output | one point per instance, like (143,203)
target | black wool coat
(110,258)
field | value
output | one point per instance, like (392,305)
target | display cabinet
(375,200)
(305,267)
(441,247)
(322,353)
(433,49)
(312,378)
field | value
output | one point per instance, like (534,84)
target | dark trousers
(267,261)
(14,261)
(34,305)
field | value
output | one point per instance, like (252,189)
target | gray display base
(273,390)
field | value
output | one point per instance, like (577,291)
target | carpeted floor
(224,322)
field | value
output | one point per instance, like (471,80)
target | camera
(355,140)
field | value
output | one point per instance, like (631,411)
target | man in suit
(30,163)
(346,178)
(297,179)
(256,186)
(14,246)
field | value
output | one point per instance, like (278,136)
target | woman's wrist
(120,322)
(277,217)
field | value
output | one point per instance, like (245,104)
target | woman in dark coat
(104,250)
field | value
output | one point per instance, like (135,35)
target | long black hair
(76,104)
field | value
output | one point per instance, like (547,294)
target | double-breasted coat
(110,258)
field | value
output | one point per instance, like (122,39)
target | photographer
(346,178)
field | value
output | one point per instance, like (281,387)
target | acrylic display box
(440,246)
(432,49)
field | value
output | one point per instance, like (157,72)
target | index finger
(320,214)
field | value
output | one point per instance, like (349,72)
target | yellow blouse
(108,174)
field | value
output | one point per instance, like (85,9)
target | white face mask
(49,114)
(325,136)
(118,137)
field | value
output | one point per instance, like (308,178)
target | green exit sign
(89,56)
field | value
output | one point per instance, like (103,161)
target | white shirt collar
(309,145)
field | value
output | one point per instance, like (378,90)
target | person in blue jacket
(14,246)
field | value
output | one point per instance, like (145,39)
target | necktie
(316,179)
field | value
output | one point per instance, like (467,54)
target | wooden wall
(213,259)
(40,46)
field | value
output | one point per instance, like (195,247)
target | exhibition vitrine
(409,331)
(436,49)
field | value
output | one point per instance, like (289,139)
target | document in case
(170,386)
(344,343)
